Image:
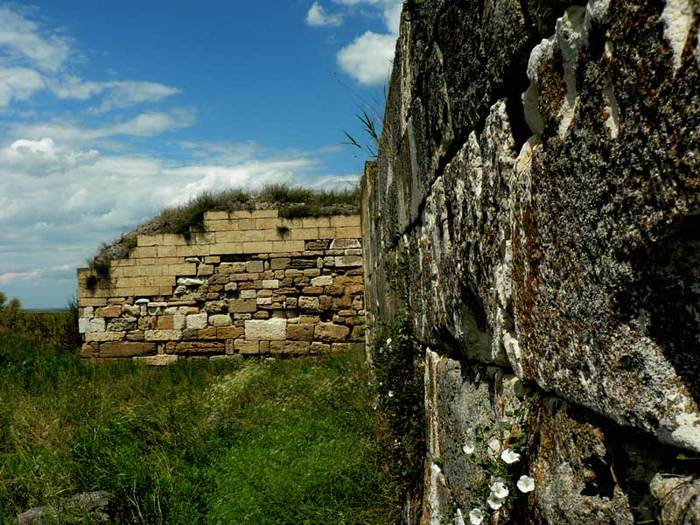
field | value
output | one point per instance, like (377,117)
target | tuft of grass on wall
(254,441)
(291,201)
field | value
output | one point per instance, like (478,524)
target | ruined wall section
(540,180)
(253,283)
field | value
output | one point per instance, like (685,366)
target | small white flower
(388,342)
(476,516)
(494,503)
(468,449)
(509,456)
(526,484)
(499,490)
(459,519)
(391,393)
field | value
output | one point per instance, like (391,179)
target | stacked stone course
(253,283)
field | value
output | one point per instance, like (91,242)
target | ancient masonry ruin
(534,213)
(254,283)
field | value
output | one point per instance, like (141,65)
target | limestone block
(242,306)
(216,307)
(157,360)
(229,332)
(344,244)
(313,290)
(210,332)
(270,283)
(195,347)
(348,261)
(165,322)
(104,337)
(300,332)
(308,303)
(235,267)
(94,325)
(122,324)
(126,349)
(196,321)
(246,347)
(324,280)
(329,332)
(272,329)
(163,335)
(346,221)
(109,311)
(83,325)
(254,266)
(279,263)
(289,347)
(220,320)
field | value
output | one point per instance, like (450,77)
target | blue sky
(110,111)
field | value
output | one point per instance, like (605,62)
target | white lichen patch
(687,433)
(612,110)
(677,17)
(572,36)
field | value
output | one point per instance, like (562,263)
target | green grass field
(259,442)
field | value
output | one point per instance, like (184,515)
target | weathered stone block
(104,337)
(246,347)
(255,266)
(242,305)
(348,261)
(331,332)
(270,283)
(157,360)
(324,280)
(126,349)
(163,335)
(318,347)
(196,321)
(165,322)
(229,332)
(109,311)
(272,329)
(300,332)
(289,347)
(308,303)
(220,320)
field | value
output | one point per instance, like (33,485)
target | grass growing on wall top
(247,442)
(291,201)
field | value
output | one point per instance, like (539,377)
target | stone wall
(534,211)
(254,283)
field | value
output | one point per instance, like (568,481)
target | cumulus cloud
(368,58)
(59,202)
(319,17)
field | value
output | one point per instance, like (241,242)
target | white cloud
(42,157)
(117,94)
(18,83)
(33,58)
(146,124)
(318,17)
(87,197)
(10,277)
(21,37)
(368,58)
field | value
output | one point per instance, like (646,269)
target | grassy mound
(246,442)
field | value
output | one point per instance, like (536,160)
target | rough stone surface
(534,209)
(272,329)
